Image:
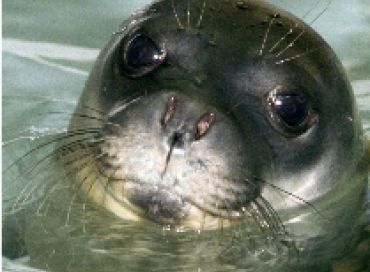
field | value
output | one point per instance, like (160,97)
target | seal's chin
(166,206)
(158,204)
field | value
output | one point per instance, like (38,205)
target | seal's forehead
(224,16)
(253,27)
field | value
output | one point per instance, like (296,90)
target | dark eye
(292,108)
(291,111)
(141,55)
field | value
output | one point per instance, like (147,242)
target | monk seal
(227,117)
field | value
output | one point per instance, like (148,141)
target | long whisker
(188,15)
(283,230)
(266,36)
(291,44)
(202,14)
(277,220)
(17,203)
(296,56)
(76,114)
(290,31)
(37,164)
(311,9)
(76,189)
(293,195)
(49,193)
(94,110)
(69,134)
(274,219)
(79,115)
(272,223)
(322,12)
(180,25)
(86,178)
(259,219)
(92,184)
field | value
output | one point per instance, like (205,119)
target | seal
(207,116)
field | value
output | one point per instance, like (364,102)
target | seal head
(205,114)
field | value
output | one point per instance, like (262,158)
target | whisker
(76,114)
(124,105)
(294,196)
(94,110)
(21,204)
(188,15)
(48,195)
(279,223)
(69,134)
(76,188)
(33,136)
(202,14)
(284,236)
(296,56)
(180,25)
(92,184)
(84,217)
(266,36)
(291,44)
(270,219)
(103,174)
(283,230)
(290,31)
(15,207)
(106,185)
(322,12)
(255,213)
(311,10)
(37,164)
(73,198)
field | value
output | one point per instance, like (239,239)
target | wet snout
(172,152)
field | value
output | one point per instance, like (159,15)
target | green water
(49,47)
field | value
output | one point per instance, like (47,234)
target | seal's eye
(141,55)
(292,108)
(291,111)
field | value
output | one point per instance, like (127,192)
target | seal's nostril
(204,124)
(170,110)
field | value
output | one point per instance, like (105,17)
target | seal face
(205,114)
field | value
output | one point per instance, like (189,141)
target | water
(49,47)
